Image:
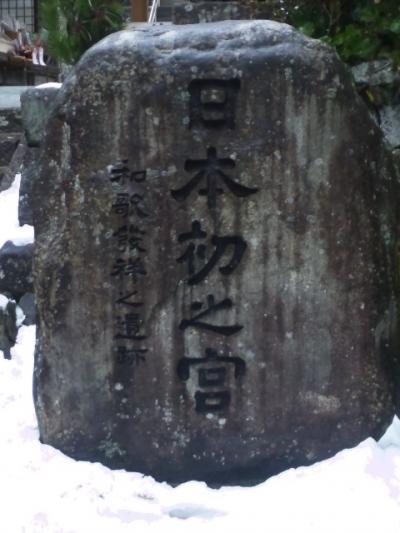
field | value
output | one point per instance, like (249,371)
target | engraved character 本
(212,170)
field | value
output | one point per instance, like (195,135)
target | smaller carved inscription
(130,356)
(125,300)
(129,237)
(133,267)
(129,266)
(126,205)
(129,327)
(121,173)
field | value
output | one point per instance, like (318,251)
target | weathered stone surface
(16,269)
(215,223)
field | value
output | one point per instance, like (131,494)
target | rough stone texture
(8,328)
(241,324)
(37,104)
(199,11)
(16,269)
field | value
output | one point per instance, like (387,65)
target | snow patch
(54,84)
(10,230)
(3,301)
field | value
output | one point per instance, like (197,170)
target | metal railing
(153,11)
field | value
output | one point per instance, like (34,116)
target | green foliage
(360,30)
(75,25)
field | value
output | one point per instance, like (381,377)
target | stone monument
(216,223)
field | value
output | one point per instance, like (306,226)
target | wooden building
(26,11)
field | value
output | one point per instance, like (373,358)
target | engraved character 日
(213,103)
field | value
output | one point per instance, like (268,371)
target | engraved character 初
(198,252)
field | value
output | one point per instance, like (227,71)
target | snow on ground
(42,490)
(9,226)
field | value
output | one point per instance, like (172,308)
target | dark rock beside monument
(29,172)
(36,104)
(8,326)
(16,269)
(11,160)
(216,224)
(28,305)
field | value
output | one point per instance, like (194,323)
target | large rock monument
(215,218)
